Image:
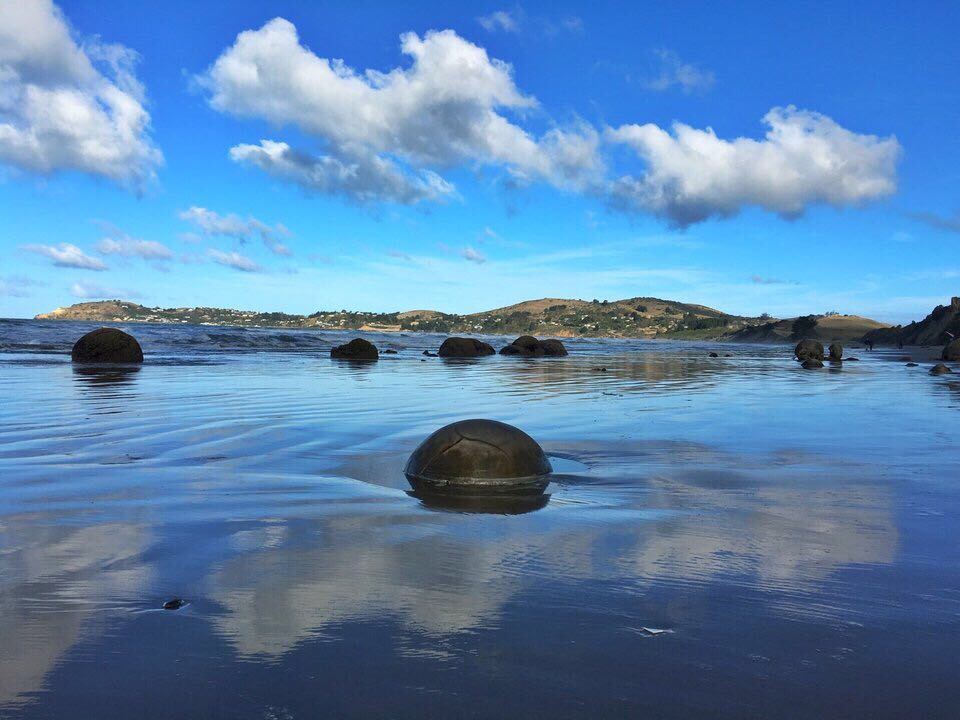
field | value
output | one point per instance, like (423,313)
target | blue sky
(755,157)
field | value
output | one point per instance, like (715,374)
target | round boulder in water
(529,346)
(479,457)
(836,352)
(808,350)
(459,347)
(107,345)
(356,349)
(940,369)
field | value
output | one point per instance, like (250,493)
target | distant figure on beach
(869,344)
(899,344)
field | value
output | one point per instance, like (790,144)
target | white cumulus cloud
(126,246)
(233,260)
(805,158)
(213,223)
(386,134)
(67,255)
(69,107)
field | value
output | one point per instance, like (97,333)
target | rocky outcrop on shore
(940,327)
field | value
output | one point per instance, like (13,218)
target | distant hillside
(825,328)
(634,317)
(935,329)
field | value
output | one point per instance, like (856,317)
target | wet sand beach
(726,537)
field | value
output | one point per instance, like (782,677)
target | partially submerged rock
(479,457)
(952,351)
(811,364)
(808,350)
(836,352)
(460,347)
(174,604)
(940,369)
(529,346)
(912,364)
(356,349)
(107,345)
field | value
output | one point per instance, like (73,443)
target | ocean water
(726,537)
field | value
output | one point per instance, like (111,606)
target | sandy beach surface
(723,537)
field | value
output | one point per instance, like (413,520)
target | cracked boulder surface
(529,346)
(107,345)
(808,350)
(460,347)
(479,457)
(356,349)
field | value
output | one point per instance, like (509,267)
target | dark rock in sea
(811,364)
(460,347)
(836,351)
(714,355)
(389,351)
(940,369)
(852,359)
(952,351)
(429,354)
(107,345)
(356,349)
(913,364)
(528,346)
(599,369)
(808,350)
(174,604)
(479,457)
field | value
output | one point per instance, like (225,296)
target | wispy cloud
(949,223)
(91,291)
(761,280)
(471,255)
(214,224)
(674,72)
(233,260)
(67,255)
(502,20)
(17,285)
(122,244)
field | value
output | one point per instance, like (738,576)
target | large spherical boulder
(553,348)
(356,349)
(479,457)
(952,351)
(940,369)
(808,350)
(459,347)
(107,345)
(836,352)
(529,346)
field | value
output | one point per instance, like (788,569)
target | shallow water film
(726,537)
